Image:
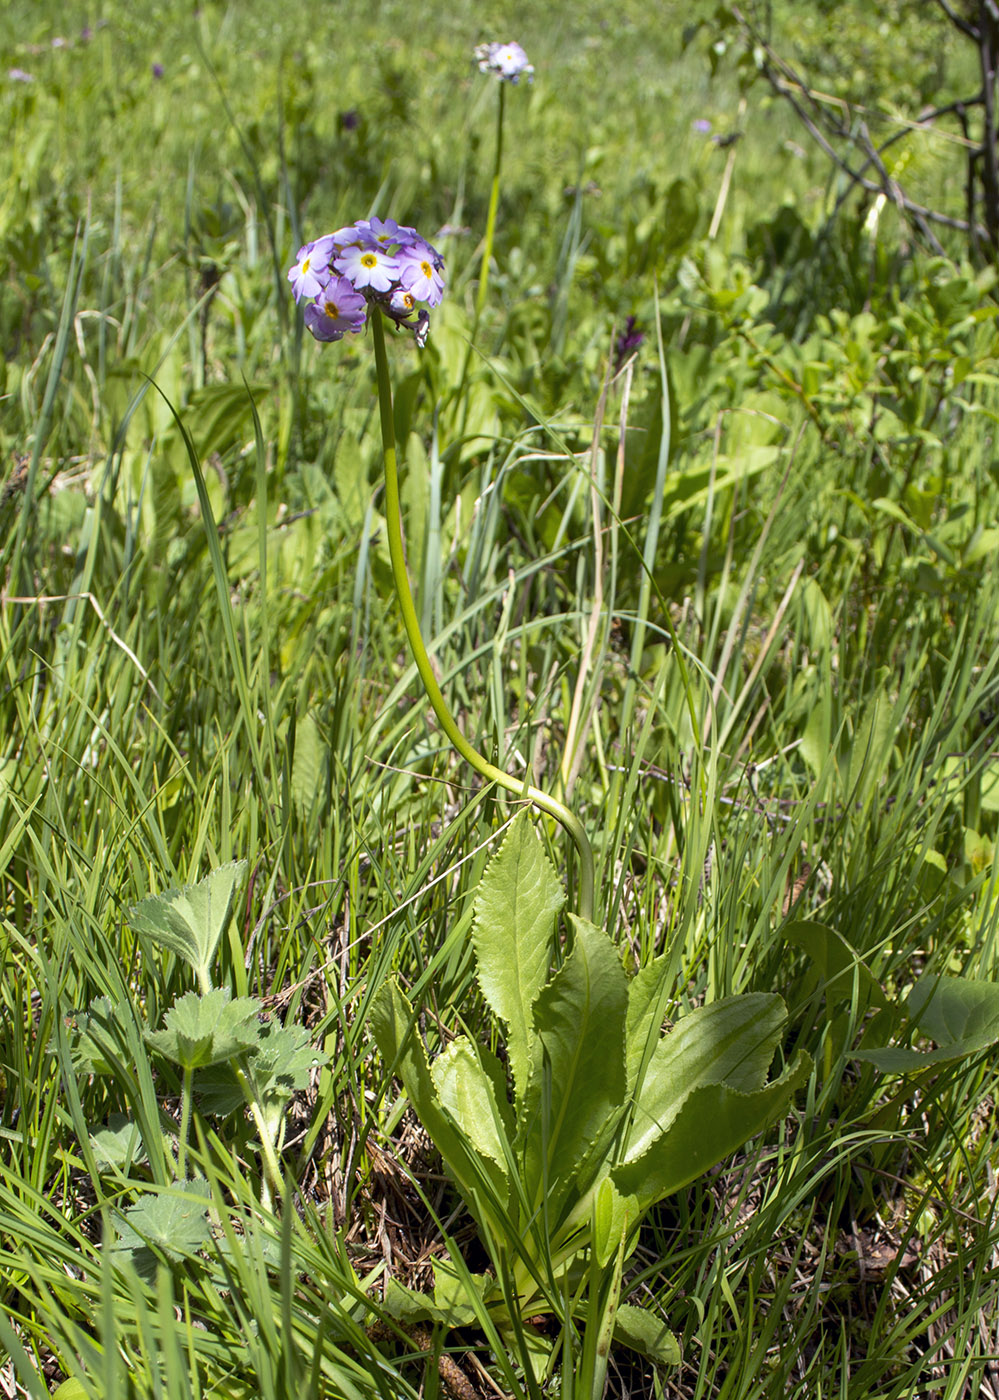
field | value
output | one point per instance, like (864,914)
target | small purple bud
(702,125)
(158,70)
(350,121)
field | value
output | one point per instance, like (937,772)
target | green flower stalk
(373,269)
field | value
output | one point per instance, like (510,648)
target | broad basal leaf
(838,973)
(172,1222)
(476,1100)
(191,920)
(643,1332)
(393,1026)
(712,1123)
(960,1013)
(204,1030)
(731,1042)
(576,1091)
(515,913)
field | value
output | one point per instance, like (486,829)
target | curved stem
(393,516)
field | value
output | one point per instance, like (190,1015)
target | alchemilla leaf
(190,921)
(204,1030)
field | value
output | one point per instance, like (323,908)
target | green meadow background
(730,590)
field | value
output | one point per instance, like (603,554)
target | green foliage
(607,1116)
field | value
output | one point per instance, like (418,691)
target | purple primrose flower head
(373,262)
(507,61)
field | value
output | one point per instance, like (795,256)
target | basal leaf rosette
(374,262)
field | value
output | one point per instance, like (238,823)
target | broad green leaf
(515,914)
(960,1013)
(643,1332)
(731,1042)
(448,1304)
(393,1027)
(204,1030)
(713,1122)
(644,992)
(279,1065)
(838,969)
(191,920)
(576,1091)
(119,1144)
(469,1094)
(173,1222)
(872,745)
(613,1216)
(306,768)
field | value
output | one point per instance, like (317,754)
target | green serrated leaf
(712,1123)
(576,1092)
(515,911)
(643,1332)
(173,1223)
(190,921)
(204,1030)
(469,1095)
(119,1144)
(730,1041)
(393,1026)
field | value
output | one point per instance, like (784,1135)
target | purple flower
(310,273)
(158,70)
(386,232)
(419,276)
(350,121)
(368,267)
(86,33)
(372,262)
(18,75)
(702,125)
(627,342)
(337,310)
(507,61)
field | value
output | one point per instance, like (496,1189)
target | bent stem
(393,515)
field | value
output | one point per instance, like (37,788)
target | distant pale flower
(337,310)
(311,272)
(506,61)
(702,125)
(368,267)
(18,75)
(59,42)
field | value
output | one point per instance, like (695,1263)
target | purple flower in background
(702,125)
(627,342)
(350,121)
(18,75)
(337,310)
(158,70)
(506,61)
(375,262)
(86,33)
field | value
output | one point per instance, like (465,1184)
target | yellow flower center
(369,260)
